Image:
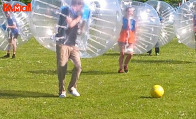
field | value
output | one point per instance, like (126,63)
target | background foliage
(171,2)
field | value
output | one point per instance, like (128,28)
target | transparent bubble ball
(184,23)
(147,26)
(167,16)
(3,32)
(22,23)
(101,20)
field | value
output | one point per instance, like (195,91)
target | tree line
(171,2)
(23,1)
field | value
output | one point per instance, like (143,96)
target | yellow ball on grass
(157,91)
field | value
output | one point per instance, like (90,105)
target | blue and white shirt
(66,35)
(125,24)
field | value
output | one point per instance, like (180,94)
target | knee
(122,54)
(60,65)
(130,55)
(78,68)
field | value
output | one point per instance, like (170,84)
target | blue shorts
(15,36)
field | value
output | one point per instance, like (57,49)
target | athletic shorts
(15,36)
(124,35)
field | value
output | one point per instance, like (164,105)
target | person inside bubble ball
(194,23)
(126,39)
(12,35)
(83,28)
(157,49)
(65,46)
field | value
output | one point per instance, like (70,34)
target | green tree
(171,2)
(24,1)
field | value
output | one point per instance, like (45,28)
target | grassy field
(29,90)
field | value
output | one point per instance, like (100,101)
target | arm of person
(195,29)
(12,27)
(72,22)
(133,25)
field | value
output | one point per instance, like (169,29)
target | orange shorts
(124,36)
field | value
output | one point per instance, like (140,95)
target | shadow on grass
(54,72)
(151,61)
(112,54)
(48,72)
(10,94)
(162,61)
(97,72)
(148,97)
(118,54)
(2,58)
(6,58)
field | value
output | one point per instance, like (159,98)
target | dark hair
(77,2)
(129,7)
(6,13)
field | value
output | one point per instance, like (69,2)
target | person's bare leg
(128,58)
(14,47)
(121,58)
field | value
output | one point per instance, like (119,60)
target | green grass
(29,90)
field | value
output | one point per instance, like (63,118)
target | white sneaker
(62,95)
(74,92)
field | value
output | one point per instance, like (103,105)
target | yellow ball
(157,91)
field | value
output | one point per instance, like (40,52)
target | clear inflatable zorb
(97,30)
(185,23)
(3,32)
(2,37)
(147,26)
(166,14)
(22,24)
(2,16)
(43,21)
